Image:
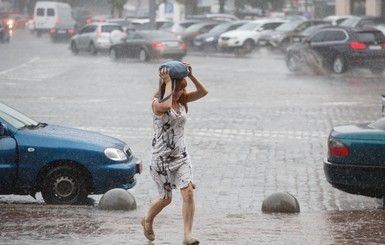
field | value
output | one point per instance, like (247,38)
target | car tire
(93,49)
(338,65)
(293,62)
(64,185)
(248,46)
(114,54)
(74,48)
(143,55)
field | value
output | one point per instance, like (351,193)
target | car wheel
(74,48)
(338,65)
(143,56)
(293,62)
(64,185)
(248,46)
(377,70)
(114,54)
(93,49)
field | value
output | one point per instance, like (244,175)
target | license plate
(171,44)
(374,47)
(61,31)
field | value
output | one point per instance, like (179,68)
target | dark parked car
(196,29)
(341,48)
(355,159)
(281,36)
(210,39)
(147,45)
(64,164)
(62,31)
(4,33)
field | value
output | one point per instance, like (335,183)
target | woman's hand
(189,68)
(164,73)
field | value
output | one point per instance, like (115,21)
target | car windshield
(195,27)
(249,26)
(379,124)
(289,26)
(159,35)
(111,28)
(220,28)
(370,37)
(15,118)
(350,22)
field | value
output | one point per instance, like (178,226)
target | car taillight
(183,45)
(71,31)
(337,148)
(89,20)
(157,45)
(57,20)
(52,31)
(357,45)
(99,34)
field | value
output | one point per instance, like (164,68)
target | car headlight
(115,154)
(209,39)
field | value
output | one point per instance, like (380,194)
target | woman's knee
(188,193)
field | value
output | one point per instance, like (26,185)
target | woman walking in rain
(170,165)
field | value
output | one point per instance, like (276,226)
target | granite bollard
(117,199)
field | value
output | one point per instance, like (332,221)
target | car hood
(59,136)
(358,131)
(237,33)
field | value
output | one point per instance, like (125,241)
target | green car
(356,158)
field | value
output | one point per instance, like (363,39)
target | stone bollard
(280,202)
(117,199)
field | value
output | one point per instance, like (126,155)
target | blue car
(64,164)
(356,158)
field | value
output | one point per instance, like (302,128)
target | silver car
(94,37)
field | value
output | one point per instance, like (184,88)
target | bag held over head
(177,71)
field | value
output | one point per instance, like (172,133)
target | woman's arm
(164,106)
(200,91)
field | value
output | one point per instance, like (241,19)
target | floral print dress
(170,165)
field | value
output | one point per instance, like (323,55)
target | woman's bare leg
(188,210)
(155,208)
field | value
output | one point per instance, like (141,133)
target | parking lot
(261,130)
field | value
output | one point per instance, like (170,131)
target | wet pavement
(260,130)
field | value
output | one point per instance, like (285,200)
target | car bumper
(61,34)
(168,53)
(121,175)
(356,179)
(229,43)
(367,61)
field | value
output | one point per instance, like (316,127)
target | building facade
(360,7)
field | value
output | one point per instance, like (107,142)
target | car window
(318,37)
(50,12)
(111,28)
(335,35)
(40,12)
(289,26)
(137,36)
(370,37)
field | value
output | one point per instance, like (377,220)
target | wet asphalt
(261,130)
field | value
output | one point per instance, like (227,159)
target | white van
(49,14)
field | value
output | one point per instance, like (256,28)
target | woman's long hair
(180,84)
